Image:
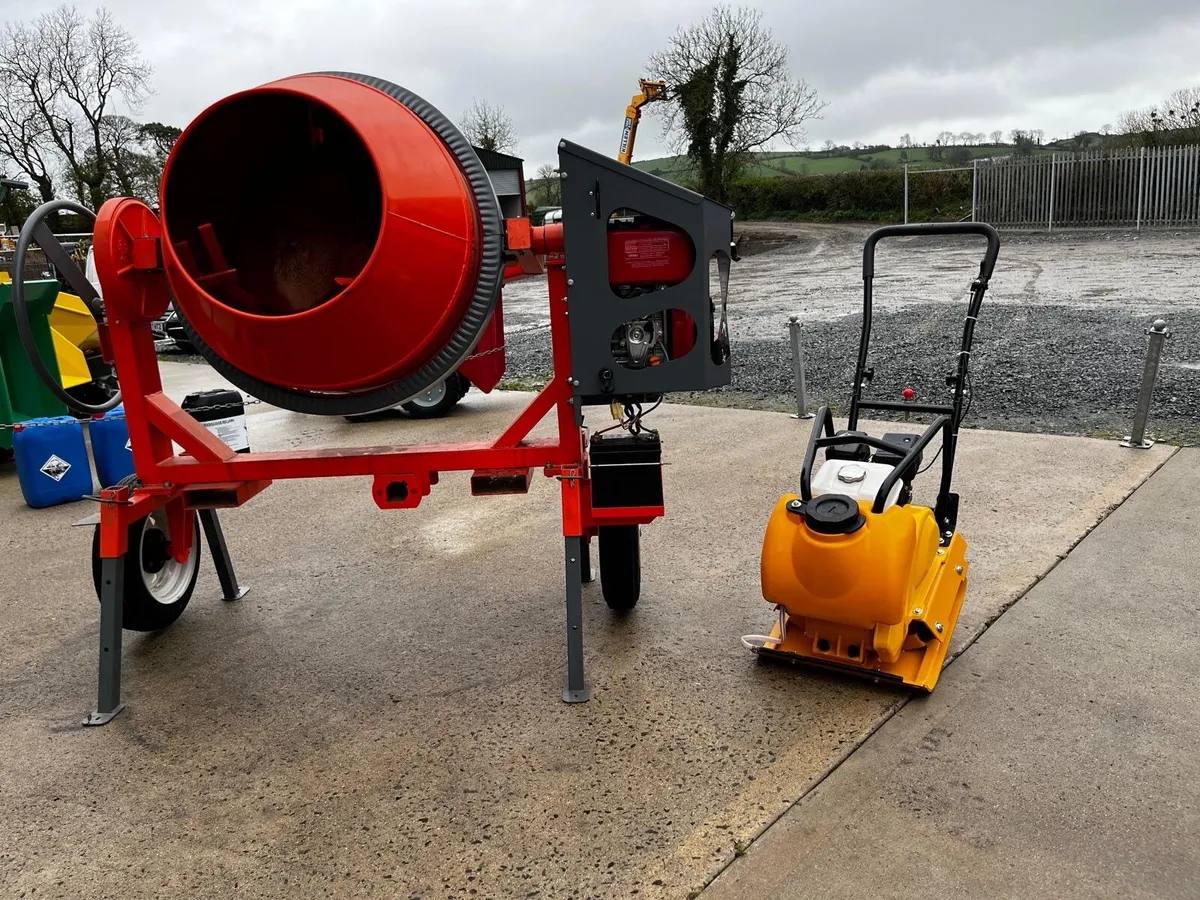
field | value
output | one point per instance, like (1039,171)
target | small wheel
(620,566)
(157,586)
(438,400)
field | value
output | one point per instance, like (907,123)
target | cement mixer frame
(212,476)
(209,475)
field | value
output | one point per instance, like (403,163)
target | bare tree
(71,71)
(24,140)
(489,127)
(997,136)
(1174,121)
(1023,142)
(731,91)
(906,140)
(136,156)
(548,185)
(829,146)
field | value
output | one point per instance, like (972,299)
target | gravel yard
(1059,346)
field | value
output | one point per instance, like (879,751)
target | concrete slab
(380,716)
(1057,759)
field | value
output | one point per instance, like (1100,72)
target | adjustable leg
(112,613)
(220,554)
(576,690)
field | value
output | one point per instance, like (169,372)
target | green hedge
(876,196)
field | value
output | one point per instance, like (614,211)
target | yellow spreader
(863,580)
(75,335)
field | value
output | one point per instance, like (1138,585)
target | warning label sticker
(647,252)
(231,430)
(55,467)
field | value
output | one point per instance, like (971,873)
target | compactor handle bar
(986,267)
(817,441)
(952,413)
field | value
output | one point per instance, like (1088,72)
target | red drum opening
(330,235)
(275,204)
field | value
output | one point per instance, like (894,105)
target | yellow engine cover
(882,601)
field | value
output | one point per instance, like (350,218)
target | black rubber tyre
(620,566)
(157,588)
(438,400)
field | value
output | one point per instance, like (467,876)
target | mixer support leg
(576,690)
(230,590)
(112,601)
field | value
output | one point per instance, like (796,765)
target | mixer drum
(332,241)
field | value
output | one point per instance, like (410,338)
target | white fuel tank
(860,480)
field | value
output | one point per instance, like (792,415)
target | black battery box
(223,412)
(626,470)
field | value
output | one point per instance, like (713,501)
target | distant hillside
(830,162)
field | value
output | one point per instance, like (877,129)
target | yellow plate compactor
(865,581)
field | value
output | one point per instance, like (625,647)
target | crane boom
(649,92)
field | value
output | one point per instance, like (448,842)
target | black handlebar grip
(980,228)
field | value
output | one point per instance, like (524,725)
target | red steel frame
(209,474)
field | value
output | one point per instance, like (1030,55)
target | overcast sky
(568,68)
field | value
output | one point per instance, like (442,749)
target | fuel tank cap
(833,514)
(851,474)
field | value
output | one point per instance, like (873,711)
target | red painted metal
(485,366)
(683,333)
(649,256)
(625,515)
(281,249)
(208,472)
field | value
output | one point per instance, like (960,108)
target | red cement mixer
(334,246)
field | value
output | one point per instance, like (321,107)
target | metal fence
(1136,188)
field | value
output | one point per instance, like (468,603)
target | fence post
(974,186)
(1141,185)
(1050,219)
(798,370)
(906,193)
(1137,439)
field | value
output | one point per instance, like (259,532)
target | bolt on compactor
(864,580)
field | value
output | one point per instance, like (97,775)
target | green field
(833,162)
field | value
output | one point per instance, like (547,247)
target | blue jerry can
(111,448)
(52,461)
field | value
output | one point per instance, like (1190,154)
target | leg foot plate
(102,718)
(581,696)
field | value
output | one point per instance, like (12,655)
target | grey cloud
(568,69)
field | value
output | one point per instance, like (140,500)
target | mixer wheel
(620,566)
(438,400)
(157,587)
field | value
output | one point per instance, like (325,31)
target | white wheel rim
(431,396)
(171,581)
